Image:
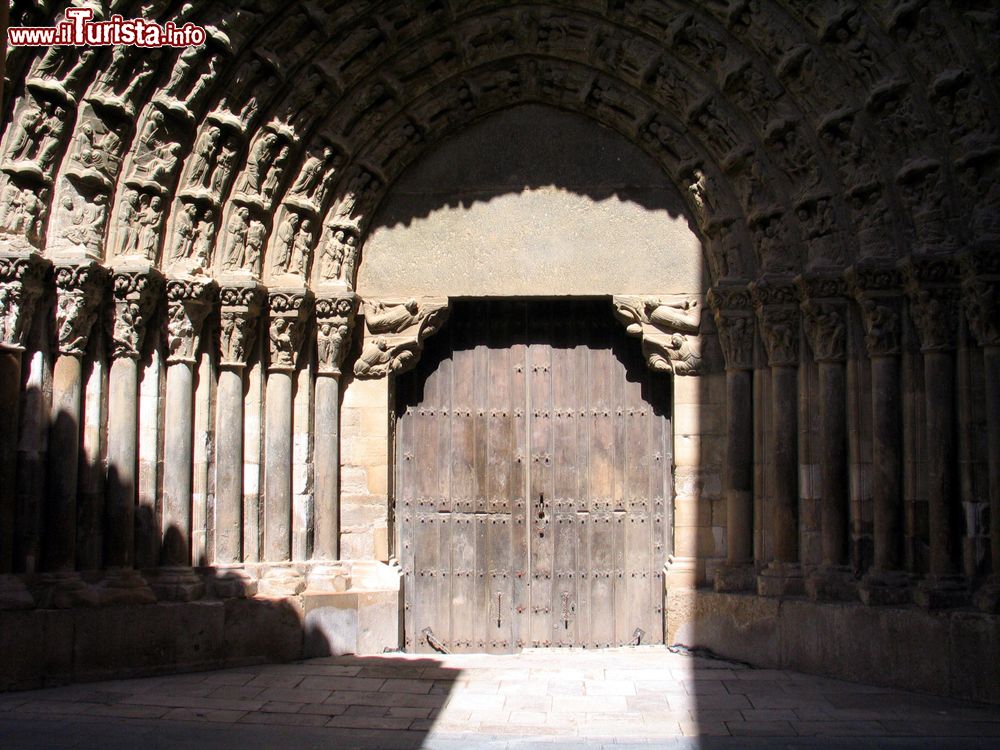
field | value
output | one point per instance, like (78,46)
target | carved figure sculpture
(184,231)
(283,243)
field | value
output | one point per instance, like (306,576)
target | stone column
(824,308)
(935,300)
(777,304)
(878,290)
(334,319)
(289,314)
(734,320)
(240,309)
(981,286)
(188,304)
(21,279)
(79,289)
(136,292)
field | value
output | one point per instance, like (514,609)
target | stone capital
(734,319)
(777,304)
(668,327)
(395,331)
(188,304)
(79,292)
(878,289)
(824,314)
(981,293)
(241,306)
(288,311)
(334,320)
(932,285)
(135,293)
(21,278)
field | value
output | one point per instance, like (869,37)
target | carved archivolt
(395,331)
(668,327)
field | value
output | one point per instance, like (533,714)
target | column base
(14,594)
(832,583)
(280,581)
(124,586)
(885,587)
(781,579)
(329,578)
(942,592)
(680,572)
(64,590)
(178,584)
(731,578)
(987,598)
(231,582)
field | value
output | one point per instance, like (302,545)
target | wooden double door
(533,455)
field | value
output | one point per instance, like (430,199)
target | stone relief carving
(878,288)
(824,315)
(668,328)
(188,304)
(241,307)
(935,300)
(980,270)
(734,320)
(79,292)
(135,294)
(334,320)
(22,215)
(777,305)
(338,253)
(20,289)
(289,316)
(395,331)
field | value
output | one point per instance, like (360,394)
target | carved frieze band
(932,286)
(289,312)
(734,320)
(668,327)
(79,294)
(824,314)
(877,287)
(777,304)
(334,320)
(241,307)
(20,287)
(188,304)
(136,293)
(395,331)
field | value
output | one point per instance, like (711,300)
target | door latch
(637,636)
(433,642)
(499,609)
(565,609)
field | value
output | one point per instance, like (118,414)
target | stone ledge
(955,653)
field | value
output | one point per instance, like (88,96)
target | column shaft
(783,495)
(326,514)
(122,458)
(738,472)
(178,432)
(278,468)
(10,386)
(59,540)
(991,362)
(939,393)
(833,463)
(887,462)
(229,468)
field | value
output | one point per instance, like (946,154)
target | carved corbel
(824,315)
(289,316)
(79,289)
(334,320)
(668,328)
(241,306)
(981,286)
(395,331)
(732,309)
(188,304)
(777,303)
(932,285)
(135,296)
(878,289)
(20,288)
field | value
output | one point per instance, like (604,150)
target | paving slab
(588,700)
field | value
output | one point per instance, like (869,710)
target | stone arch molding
(804,136)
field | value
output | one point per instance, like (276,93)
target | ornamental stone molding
(334,320)
(878,289)
(288,316)
(824,314)
(732,308)
(776,302)
(79,294)
(981,291)
(240,309)
(189,302)
(136,292)
(932,286)
(395,331)
(21,286)
(668,327)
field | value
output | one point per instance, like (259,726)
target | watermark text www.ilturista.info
(79,29)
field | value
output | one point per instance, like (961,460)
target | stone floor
(646,697)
